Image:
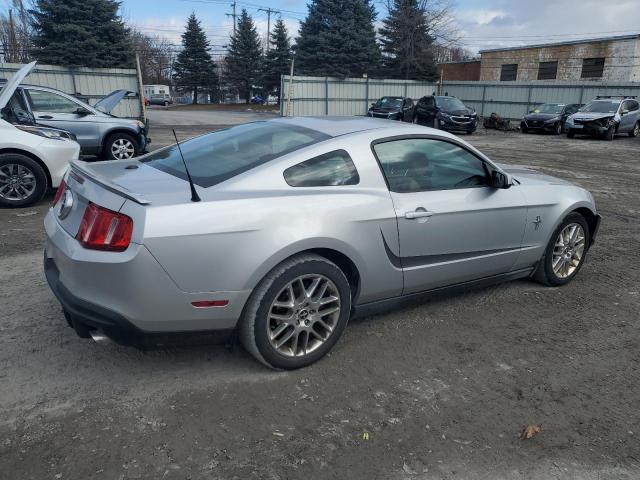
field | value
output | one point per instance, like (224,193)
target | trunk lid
(113,184)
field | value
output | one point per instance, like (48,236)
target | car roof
(335,126)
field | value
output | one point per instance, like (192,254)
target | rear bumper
(128,295)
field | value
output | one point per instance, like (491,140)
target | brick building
(610,59)
(465,70)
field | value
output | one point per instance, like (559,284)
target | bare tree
(156,56)
(413,34)
(16,32)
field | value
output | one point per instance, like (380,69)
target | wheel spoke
(279,330)
(285,338)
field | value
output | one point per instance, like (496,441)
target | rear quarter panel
(246,226)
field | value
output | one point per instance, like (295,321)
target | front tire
(611,133)
(557,128)
(120,146)
(565,253)
(297,313)
(571,133)
(23,181)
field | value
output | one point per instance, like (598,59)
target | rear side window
(331,169)
(219,156)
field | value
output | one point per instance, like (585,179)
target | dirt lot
(437,390)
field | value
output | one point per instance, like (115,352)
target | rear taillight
(103,229)
(61,188)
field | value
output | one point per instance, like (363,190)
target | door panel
(453,227)
(57,111)
(470,233)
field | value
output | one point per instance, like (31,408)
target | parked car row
(443,112)
(604,117)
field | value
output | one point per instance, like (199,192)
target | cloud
(514,23)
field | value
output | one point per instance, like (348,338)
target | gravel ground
(435,390)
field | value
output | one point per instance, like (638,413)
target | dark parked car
(548,117)
(445,113)
(393,108)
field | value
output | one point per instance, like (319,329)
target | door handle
(418,213)
(46,117)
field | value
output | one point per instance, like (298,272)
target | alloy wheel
(303,315)
(122,149)
(636,130)
(568,250)
(17,182)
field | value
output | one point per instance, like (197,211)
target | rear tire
(636,130)
(23,181)
(545,273)
(120,146)
(282,308)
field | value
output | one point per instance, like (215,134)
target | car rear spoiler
(83,169)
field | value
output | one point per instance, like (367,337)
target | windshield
(389,102)
(450,104)
(602,106)
(219,156)
(549,108)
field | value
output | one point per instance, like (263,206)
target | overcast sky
(483,24)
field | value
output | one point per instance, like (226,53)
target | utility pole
(290,92)
(269,11)
(234,15)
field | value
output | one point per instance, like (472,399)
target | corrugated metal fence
(352,96)
(87,84)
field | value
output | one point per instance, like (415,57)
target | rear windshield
(219,156)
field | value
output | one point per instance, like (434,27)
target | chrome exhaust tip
(99,337)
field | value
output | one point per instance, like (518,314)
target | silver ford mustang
(282,230)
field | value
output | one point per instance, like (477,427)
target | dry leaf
(530,432)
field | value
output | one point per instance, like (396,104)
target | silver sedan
(281,230)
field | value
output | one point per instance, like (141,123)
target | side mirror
(500,179)
(82,111)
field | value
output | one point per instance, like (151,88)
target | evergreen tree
(406,44)
(85,33)
(278,58)
(244,60)
(194,68)
(338,38)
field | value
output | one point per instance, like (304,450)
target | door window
(330,169)
(631,105)
(43,101)
(419,164)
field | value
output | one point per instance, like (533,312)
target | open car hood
(587,116)
(10,87)
(109,102)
